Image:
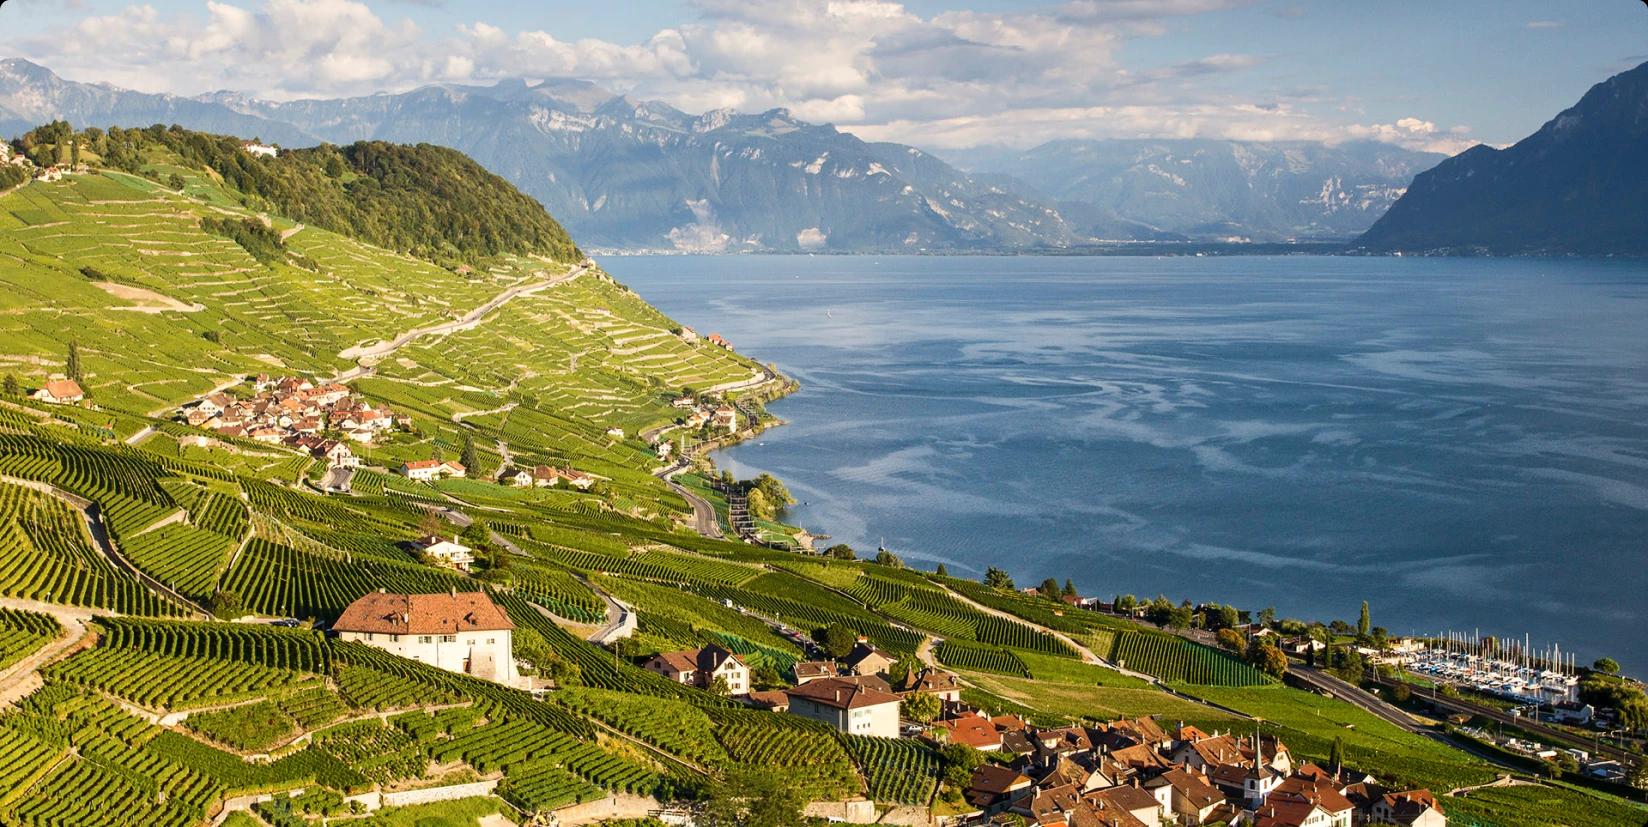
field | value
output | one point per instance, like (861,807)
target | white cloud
(1545,24)
(953,78)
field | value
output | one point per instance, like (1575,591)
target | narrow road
(924,653)
(704,520)
(140,435)
(362,354)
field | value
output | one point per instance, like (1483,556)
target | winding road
(704,520)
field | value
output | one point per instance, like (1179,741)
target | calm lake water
(1461,442)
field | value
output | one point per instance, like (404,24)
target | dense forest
(424,200)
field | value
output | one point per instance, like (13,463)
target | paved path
(704,520)
(140,435)
(362,354)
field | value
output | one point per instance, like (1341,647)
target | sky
(1438,75)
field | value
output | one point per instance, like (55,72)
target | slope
(1577,186)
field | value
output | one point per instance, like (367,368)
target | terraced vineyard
(1180,661)
(905,772)
(980,658)
(21,633)
(46,554)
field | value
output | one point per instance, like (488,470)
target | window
(449,638)
(490,641)
(425,639)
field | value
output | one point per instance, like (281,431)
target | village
(292,411)
(1138,772)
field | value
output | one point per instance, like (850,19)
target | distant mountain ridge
(1577,186)
(626,174)
(1206,189)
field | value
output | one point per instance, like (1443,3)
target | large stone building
(457,631)
(847,706)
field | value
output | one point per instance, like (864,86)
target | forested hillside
(428,201)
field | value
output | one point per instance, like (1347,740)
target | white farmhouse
(847,706)
(457,631)
(448,552)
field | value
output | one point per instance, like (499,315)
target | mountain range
(628,174)
(1211,189)
(1577,186)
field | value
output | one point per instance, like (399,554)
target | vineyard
(896,771)
(1178,660)
(806,751)
(980,658)
(674,726)
(46,554)
(21,633)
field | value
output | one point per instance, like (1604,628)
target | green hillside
(151,531)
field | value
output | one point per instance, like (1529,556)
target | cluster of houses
(720,416)
(1134,773)
(546,476)
(856,696)
(295,412)
(1126,773)
(60,392)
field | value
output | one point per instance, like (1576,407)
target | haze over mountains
(1577,186)
(630,174)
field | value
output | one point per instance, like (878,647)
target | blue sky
(938,73)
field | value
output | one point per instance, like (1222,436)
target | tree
(476,535)
(920,707)
(430,524)
(959,761)
(840,551)
(176,182)
(72,366)
(1231,639)
(997,579)
(774,491)
(1126,603)
(1270,660)
(753,797)
(13,388)
(74,151)
(1070,588)
(226,604)
(1336,757)
(719,688)
(1179,617)
(1364,628)
(1226,617)
(941,571)
(889,559)
(766,676)
(1049,588)
(760,507)
(838,640)
(1267,616)
(1401,693)
(470,458)
(1607,666)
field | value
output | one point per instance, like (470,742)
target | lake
(1462,442)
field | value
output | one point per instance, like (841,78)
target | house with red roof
(849,707)
(60,392)
(457,631)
